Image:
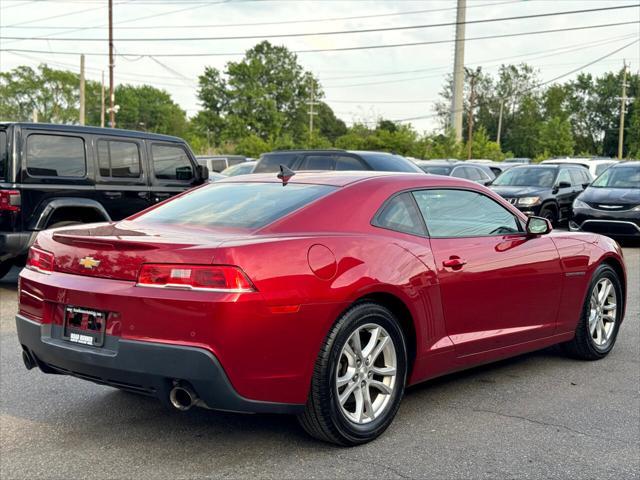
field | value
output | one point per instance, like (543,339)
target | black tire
(583,345)
(5,267)
(64,224)
(323,418)
(550,214)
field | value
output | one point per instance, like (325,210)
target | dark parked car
(57,175)
(334,160)
(479,173)
(543,190)
(611,204)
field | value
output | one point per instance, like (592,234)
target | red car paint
(507,295)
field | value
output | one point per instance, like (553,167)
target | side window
(400,214)
(318,162)
(563,177)
(476,174)
(348,163)
(462,213)
(586,176)
(118,159)
(171,163)
(460,172)
(55,156)
(577,177)
(270,162)
(3,154)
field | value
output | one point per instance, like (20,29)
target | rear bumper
(143,367)
(14,244)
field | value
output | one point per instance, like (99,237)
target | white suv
(595,166)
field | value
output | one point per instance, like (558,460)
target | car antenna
(285,174)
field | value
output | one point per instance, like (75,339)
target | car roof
(579,161)
(95,131)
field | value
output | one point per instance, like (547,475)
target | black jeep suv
(55,175)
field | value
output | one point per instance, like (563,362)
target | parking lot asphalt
(539,415)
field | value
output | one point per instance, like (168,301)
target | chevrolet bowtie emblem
(89,262)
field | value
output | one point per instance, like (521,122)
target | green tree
(252,146)
(632,138)
(142,108)
(555,137)
(53,94)
(482,147)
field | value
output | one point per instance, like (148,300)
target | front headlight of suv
(579,204)
(636,209)
(528,201)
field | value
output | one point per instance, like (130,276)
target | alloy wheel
(602,312)
(366,374)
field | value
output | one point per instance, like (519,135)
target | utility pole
(623,107)
(473,76)
(500,121)
(112,110)
(458,72)
(82,100)
(102,102)
(312,102)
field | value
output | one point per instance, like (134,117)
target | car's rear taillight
(9,200)
(40,260)
(223,278)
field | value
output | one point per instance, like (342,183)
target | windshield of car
(528,177)
(619,177)
(239,169)
(4,154)
(236,205)
(436,169)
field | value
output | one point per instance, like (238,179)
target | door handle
(454,262)
(113,194)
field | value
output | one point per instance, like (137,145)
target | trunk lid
(117,250)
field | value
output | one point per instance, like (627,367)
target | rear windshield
(4,155)
(436,169)
(236,205)
(270,162)
(386,162)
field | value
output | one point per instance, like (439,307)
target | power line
(339,49)
(546,82)
(335,32)
(283,22)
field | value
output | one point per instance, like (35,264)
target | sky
(399,83)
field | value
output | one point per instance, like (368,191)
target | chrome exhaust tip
(182,398)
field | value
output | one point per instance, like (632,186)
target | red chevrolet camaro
(322,295)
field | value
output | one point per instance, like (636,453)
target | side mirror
(203,173)
(538,226)
(585,185)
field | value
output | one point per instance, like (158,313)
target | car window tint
(348,163)
(118,159)
(3,154)
(235,204)
(460,172)
(171,163)
(387,162)
(577,177)
(270,162)
(462,213)
(317,162)
(400,214)
(563,176)
(527,177)
(55,156)
(602,167)
(619,177)
(476,174)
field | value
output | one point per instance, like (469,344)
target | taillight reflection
(40,260)
(223,278)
